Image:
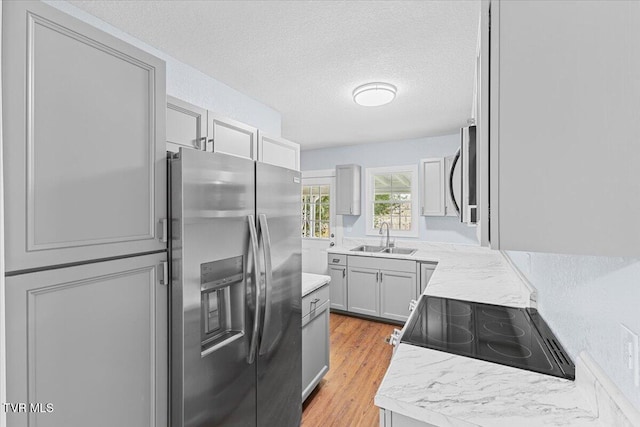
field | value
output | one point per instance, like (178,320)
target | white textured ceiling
(304,58)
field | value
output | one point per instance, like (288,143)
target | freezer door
(279,364)
(213,291)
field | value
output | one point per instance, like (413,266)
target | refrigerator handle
(268,277)
(256,283)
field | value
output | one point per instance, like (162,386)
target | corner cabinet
(563,125)
(278,152)
(432,180)
(84,141)
(348,185)
(93,341)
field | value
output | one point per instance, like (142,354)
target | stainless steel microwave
(464,165)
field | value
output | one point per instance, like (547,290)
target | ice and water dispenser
(222,300)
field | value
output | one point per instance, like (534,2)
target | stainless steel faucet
(380,232)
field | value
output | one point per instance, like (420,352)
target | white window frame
(415,199)
(322,177)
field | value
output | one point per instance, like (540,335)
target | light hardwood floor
(359,358)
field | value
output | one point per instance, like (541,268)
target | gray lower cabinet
(394,419)
(186,125)
(397,289)
(338,285)
(315,339)
(426,271)
(381,287)
(364,291)
(90,340)
(84,141)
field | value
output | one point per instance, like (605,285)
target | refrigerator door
(213,290)
(278,200)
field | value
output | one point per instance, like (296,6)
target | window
(392,198)
(315,211)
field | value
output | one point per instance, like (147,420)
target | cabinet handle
(344,272)
(201,143)
(314,302)
(210,141)
(377,277)
(422,211)
(336,260)
(381,278)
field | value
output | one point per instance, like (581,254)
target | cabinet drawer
(315,299)
(337,259)
(403,265)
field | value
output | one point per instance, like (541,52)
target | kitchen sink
(400,251)
(367,248)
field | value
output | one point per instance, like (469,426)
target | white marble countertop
(464,272)
(449,390)
(311,282)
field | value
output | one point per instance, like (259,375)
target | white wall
(396,153)
(584,299)
(191,85)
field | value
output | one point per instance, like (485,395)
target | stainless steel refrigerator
(236,273)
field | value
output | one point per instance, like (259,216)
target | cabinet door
(348,189)
(396,291)
(432,180)
(186,125)
(91,340)
(315,348)
(564,127)
(426,271)
(231,137)
(84,141)
(363,292)
(338,287)
(278,152)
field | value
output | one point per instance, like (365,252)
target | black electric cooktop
(509,336)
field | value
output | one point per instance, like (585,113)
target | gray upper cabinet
(84,141)
(231,137)
(93,341)
(186,125)
(432,176)
(278,152)
(564,127)
(348,183)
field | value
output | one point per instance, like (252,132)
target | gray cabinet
(315,339)
(564,126)
(426,271)
(364,291)
(91,340)
(432,182)
(231,137)
(397,289)
(338,285)
(394,419)
(84,141)
(186,125)
(278,152)
(381,287)
(348,178)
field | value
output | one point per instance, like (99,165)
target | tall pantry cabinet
(85,207)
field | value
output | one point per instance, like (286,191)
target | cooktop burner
(510,336)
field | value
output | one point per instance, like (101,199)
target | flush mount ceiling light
(374,94)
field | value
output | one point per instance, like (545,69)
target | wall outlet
(630,357)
